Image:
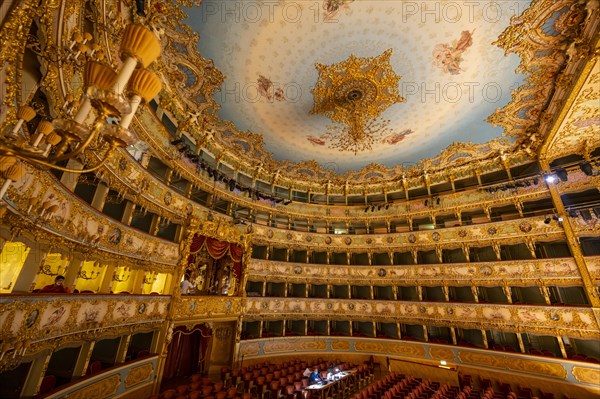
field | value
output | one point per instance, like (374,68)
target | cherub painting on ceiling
(267,90)
(448,57)
(331,8)
(315,140)
(397,137)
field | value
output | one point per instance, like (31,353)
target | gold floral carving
(586,374)
(104,388)
(139,374)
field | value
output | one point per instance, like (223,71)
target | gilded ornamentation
(514,363)
(104,388)
(575,322)
(354,93)
(139,374)
(556,271)
(49,321)
(506,231)
(441,353)
(586,374)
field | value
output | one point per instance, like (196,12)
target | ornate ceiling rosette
(354,93)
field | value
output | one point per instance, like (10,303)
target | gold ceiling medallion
(354,93)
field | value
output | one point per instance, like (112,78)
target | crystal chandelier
(60,140)
(353,94)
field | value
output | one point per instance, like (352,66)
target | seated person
(315,377)
(57,287)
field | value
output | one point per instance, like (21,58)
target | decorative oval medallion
(289,236)
(348,240)
(308,238)
(525,227)
(412,238)
(351,306)
(369,241)
(298,270)
(114,236)
(381,272)
(270,234)
(330,306)
(327,240)
(436,236)
(168,198)
(492,231)
(31,318)
(462,233)
(390,239)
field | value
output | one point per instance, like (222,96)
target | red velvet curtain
(216,249)
(187,351)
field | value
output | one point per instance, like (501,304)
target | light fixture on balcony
(353,94)
(65,139)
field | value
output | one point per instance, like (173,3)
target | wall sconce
(150,279)
(121,278)
(83,275)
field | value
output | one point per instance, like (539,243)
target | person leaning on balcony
(186,286)
(58,287)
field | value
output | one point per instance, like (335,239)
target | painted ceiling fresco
(452,75)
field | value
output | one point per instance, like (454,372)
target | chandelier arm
(39,162)
(98,123)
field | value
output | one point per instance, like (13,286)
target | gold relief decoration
(249,348)
(464,199)
(139,374)
(535,367)
(291,346)
(557,271)
(387,347)
(441,353)
(577,131)
(586,375)
(515,363)
(506,231)
(59,320)
(104,388)
(58,210)
(340,345)
(195,307)
(550,320)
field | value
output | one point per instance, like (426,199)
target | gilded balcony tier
(543,320)
(46,321)
(556,271)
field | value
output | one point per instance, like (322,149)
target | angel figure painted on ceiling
(331,8)
(448,57)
